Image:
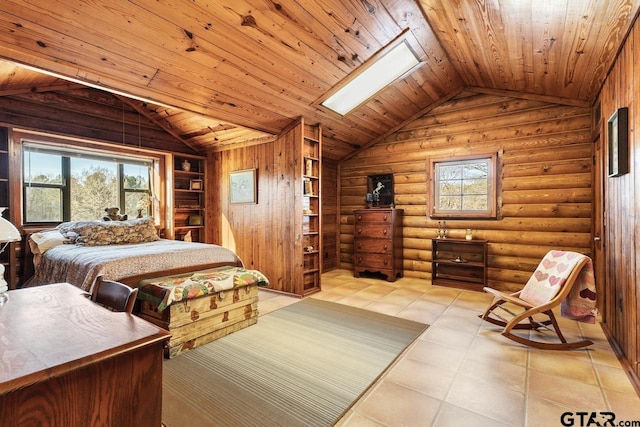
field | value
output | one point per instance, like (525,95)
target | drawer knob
(384,217)
(359,217)
(359,230)
(385,261)
(386,247)
(384,231)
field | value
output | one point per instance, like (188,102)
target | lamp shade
(8,232)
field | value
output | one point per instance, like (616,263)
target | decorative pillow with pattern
(101,233)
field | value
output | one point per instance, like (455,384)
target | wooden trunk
(197,321)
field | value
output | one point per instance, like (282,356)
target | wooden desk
(66,361)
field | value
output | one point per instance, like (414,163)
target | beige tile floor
(462,372)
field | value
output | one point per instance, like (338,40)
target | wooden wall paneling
(330,214)
(634,156)
(546,178)
(265,234)
(86,113)
(621,207)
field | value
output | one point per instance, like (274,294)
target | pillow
(42,241)
(100,233)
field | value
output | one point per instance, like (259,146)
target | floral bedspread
(164,291)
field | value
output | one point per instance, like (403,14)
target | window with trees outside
(69,184)
(464,187)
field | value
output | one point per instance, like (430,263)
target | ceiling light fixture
(393,64)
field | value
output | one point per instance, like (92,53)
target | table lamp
(8,233)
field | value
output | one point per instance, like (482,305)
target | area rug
(302,365)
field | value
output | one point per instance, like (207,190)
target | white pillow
(42,241)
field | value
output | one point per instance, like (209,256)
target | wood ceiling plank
(173,95)
(53,46)
(490,51)
(449,24)
(612,25)
(330,29)
(222,27)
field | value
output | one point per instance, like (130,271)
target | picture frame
(243,186)
(618,142)
(382,186)
(195,184)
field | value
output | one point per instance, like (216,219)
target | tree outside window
(70,185)
(463,187)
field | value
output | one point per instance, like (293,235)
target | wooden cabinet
(459,263)
(378,242)
(188,197)
(311,169)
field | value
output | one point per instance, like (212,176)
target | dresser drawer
(373,216)
(376,261)
(379,246)
(376,230)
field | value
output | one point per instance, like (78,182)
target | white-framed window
(62,182)
(464,187)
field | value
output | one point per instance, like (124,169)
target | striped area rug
(302,365)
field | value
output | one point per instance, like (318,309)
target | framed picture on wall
(618,138)
(243,186)
(381,189)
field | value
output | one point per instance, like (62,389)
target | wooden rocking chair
(549,286)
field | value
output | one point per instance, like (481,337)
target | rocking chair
(562,278)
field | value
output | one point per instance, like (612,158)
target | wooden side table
(459,263)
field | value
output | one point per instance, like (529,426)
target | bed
(126,251)
(222,301)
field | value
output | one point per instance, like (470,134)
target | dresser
(378,242)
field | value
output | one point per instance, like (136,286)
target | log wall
(621,220)
(546,179)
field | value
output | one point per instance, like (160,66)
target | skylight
(383,71)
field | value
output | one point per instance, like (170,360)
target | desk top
(47,331)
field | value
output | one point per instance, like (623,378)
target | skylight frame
(361,73)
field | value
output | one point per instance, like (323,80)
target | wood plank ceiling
(220,73)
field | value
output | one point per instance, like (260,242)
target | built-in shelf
(311,227)
(188,197)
